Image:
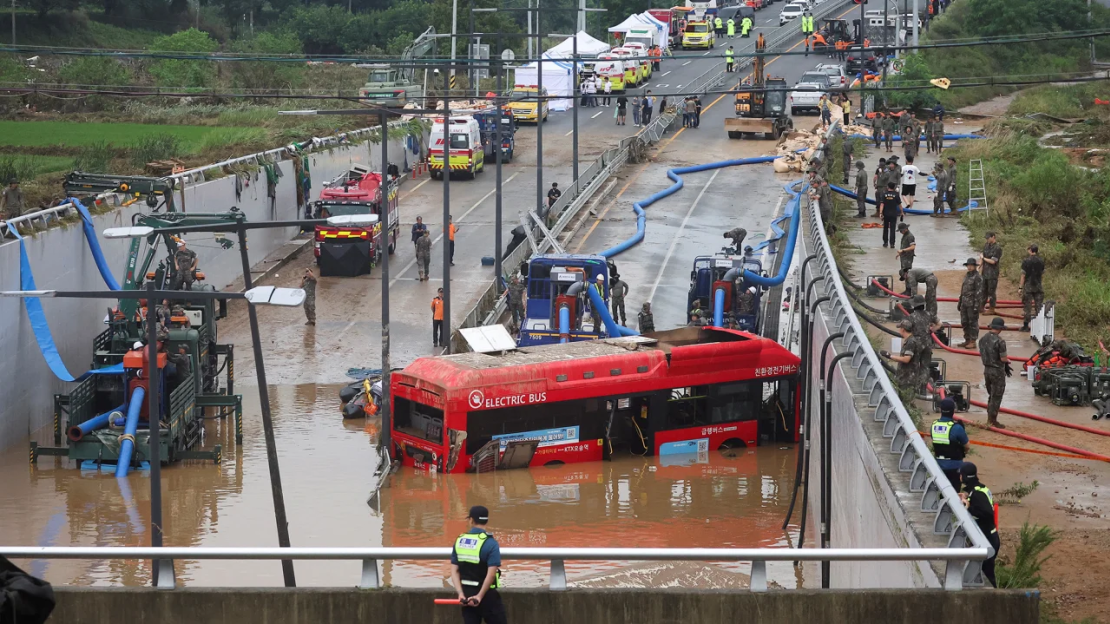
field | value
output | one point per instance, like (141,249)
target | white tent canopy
(641,21)
(665,29)
(633,21)
(587,46)
(558,79)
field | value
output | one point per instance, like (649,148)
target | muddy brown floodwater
(734,499)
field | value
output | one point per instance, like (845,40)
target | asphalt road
(348,330)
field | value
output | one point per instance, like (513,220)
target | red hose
(1045,419)
(1028,438)
(1004,304)
(1012,358)
(1007,328)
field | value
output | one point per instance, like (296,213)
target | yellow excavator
(760,111)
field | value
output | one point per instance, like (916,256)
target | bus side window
(415,419)
(736,402)
(687,407)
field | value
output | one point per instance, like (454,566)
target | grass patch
(1069,102)
(221,138)
(42,133)
(25,167)
(1037,196)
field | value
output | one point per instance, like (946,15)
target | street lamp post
(384,438)
(445,328)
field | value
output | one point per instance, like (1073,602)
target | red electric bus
(682,391)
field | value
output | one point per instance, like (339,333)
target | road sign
(508,55)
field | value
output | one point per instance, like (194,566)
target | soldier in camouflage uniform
(1030,288)
(889,123)
(184,267)
(906,248)
(861,190)
(913,369)
(991,256)
(308,283)
(938,137)
(969,302)
(646,319)
(916,276)
(515,297)
(162,312)
(737,235)
(922,325)
(617,290)
(996,368)
(942,183)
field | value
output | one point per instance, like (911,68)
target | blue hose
(675,176)
(76,432)
(127,446)
(791,212)
(909,211)
(611,326)
(564,323)
(94,245)
(719,308)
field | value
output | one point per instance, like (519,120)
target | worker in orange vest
(656,56)
(437,319)
(451,229)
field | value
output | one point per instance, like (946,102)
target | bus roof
(687,356)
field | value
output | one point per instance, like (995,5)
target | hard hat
(600,277)
(138,345)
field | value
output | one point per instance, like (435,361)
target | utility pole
(384,438)
(497,154)
(446,327)
(530,29)
(582,18)
(540,101)
(1089,25)
(454,30)
(915,23)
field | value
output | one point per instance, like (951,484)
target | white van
(467,153)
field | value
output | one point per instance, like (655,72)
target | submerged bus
(684,391)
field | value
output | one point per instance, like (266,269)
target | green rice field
(76,134)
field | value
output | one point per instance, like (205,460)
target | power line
(439,62)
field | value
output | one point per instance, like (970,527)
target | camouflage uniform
(824,204)
(914,374)
(938,136)
(516,302)
(889,124)
(617,291)
(423,256)
(163,315)
(991,351)
(183,274)
(919,275)
(737,235)
(745,302)
(968,306)
(861,192)
(905,260)
(922,327)
(308,283)
(646,319)
(990,274)
(942,183)
(846,153)
(1032,296)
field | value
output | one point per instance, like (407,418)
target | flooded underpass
(733,498)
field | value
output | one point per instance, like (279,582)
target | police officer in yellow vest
(746,27)
(980,504)
(719,26)
(729,60)
(476,571)
(731,24)
(949,442)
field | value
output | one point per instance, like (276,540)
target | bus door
(705,418)
(627,425)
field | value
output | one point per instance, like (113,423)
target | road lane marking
(569,133)
(674,239)
(413,189)
(412,262)
(707,52)
(686,63)
(596,114)
(664,75)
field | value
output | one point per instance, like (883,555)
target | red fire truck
(684,391)
(352,250)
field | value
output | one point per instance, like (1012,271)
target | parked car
(790,12)
(837,76)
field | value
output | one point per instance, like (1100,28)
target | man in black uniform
(891,203)
(1030,288)
(476,571)
(980,504)
(553,194)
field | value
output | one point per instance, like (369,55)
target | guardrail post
(954,575)
(369,575)
(167,579)
(759,576)
(558,576)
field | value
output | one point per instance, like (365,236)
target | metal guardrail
(371,578)
(927,480)
(491,304)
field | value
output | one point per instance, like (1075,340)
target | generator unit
(1066,385)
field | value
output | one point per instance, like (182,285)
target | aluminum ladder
(976,185)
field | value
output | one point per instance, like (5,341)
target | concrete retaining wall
(872,506)
(60,259)
(655,606)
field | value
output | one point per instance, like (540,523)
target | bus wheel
(554,463)
(731,443)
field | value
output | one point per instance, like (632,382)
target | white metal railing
(927,480)
(371,579)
